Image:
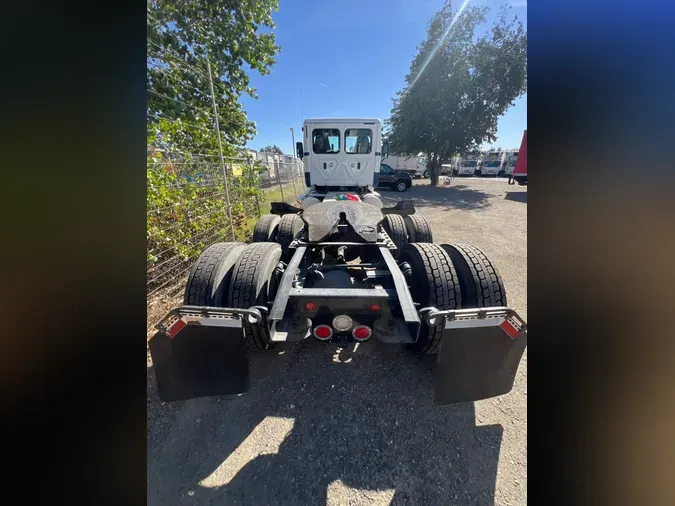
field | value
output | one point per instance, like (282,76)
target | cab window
(358,141)
(385,169)
(326,141)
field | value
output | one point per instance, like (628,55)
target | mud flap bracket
(480,352)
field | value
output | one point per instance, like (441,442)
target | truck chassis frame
(199,350)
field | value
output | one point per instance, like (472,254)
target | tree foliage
(186,198)
(230,34)
(272,149)
(458,86)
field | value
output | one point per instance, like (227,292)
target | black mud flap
(200,361)
(479,358)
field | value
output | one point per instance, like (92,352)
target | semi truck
(340,268)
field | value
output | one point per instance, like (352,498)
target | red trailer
(520,171)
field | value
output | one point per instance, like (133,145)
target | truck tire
(426,174)
(209,278)
(289,226)
(479,280)
(418,228)
(266,227)
(394,225)
(253,284)
(433,283)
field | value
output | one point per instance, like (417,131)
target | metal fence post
(281,187)
(253,181)
(220,146)
(295,192)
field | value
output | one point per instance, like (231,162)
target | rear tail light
(362,333)
(323,332)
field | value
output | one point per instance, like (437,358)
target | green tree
(180,34)
(458,86)
(185,181)
(272,149)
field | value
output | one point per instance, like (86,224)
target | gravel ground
(359,427)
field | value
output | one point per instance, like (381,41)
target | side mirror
(385,150)
(299,151)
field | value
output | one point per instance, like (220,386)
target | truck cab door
(361,160)
(324,146)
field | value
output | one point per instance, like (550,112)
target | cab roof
(343,120)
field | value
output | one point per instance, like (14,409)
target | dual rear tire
(403,230)
(449,276)
(239,276)
(282,230)
(266,228)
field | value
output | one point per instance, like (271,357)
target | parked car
(394,179)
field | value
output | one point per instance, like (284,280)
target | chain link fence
(196,199)
(188,211)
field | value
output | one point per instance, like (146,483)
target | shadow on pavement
(318,423)
(517,196)
(454,196)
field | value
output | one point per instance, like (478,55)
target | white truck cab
(341,152)
(468,165)
(510,164)
(493,163)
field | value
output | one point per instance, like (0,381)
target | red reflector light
(310,306)
(375,307)
(361,333)
(323,332)
(177,326)
(510,330)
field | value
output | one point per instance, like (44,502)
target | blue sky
(367,50)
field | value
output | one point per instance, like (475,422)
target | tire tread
(255,264)
(419,229)
(482,284)
(266,227)
(442,287)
